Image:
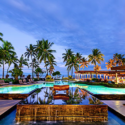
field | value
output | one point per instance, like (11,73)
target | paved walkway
(117,105)
(5,105)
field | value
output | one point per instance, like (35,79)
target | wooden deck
(6,105)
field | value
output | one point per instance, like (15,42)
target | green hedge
(7,80)
(112,85)
(35,79)
(49,80)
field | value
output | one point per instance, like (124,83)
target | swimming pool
(95,89)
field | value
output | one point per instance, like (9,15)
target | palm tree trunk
(47,70)
(72,72)
(32,67)
(3,69)
(38,75)
(96,70)
(68,73)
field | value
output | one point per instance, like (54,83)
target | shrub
(72,80)
(48,77)
(95,79)
(49,80)
(35,79)
(15,81)
(29,76)
(65,78)
(7,80)
(70,77)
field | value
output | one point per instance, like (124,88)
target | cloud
(80,25)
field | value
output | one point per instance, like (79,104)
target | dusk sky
(81,25)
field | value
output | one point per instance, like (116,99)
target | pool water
(95,89)
(75,96)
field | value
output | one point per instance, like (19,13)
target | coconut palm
(78,57)
(66,56)
(7,50)
(118,58)
(30,52)
(45,52)
(110,63)
(1,37)
(34,64)
(51,63)
(95,57)
(72,63)
(83,62)
(23,61)
(97,68)
(12,59)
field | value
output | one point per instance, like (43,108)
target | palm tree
(45,52)
(72,62)
(1,37)
(51,63)
(78,57)
(37,71)
(16,72)
(83,63)
(118,58)
(34,64)
(97,68)
(30,52)
(7,50)
(110,63)
(12,60)
(96,57)
(22,61)
(66,56)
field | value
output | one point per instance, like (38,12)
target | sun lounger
(3,83)
(21,82)
(33,81)
(24,81)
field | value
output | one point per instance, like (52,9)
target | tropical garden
(42,52)
(33,57)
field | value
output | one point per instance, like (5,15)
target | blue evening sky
(81,25)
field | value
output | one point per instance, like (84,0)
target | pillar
(116,79)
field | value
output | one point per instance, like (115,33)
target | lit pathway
(5,105)
(117,105)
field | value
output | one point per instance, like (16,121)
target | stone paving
(116,105)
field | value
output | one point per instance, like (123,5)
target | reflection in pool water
(45,95)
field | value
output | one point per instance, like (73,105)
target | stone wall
(13,96)
(62,113)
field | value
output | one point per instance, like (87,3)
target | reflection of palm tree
(94,100)
(74,98)
(37,92)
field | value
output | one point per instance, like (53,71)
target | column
(116,79)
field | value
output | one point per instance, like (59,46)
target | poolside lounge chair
(32,81)
(21,82)
(24,81)
(3,83)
